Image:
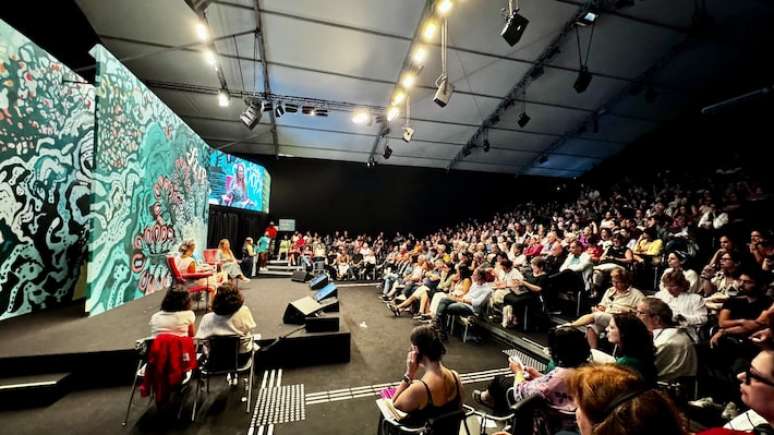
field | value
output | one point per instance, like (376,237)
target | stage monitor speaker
(299,309)
(322,323)
(318,282)
(328,291)
(300,276)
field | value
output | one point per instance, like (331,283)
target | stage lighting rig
(408,134)
(251,116)
(523,119)
(445,89)
(586,18)
(387,152)
(486,145)
(223,98)
(279,110)
(583,81)
(515,24)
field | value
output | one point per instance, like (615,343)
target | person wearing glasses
(757,388)
(620,298)
(675,353)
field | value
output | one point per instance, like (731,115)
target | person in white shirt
(688,308)
(175,317)
(675,352)
(506,280)
(229,316)
(676,261)
(578,261)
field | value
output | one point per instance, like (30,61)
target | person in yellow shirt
(648,246)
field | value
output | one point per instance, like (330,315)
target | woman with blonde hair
(186,263)
(228,261)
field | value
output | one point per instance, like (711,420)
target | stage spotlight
(361,116)
(398,97)
(428,31)
(209,57)
(279,110)
(586,18)
(392,113)
(486,145)
(223,98)
(444,92)
(251,116)
(387,152)
(583,80)
(266,106)
(408,134)
(307,110)
(419,55)
(202,32)
(408,79)
(444,7)
(514,28)
(291,108)
(523,119)
(320,112)
(543,159)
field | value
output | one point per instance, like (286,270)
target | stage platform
(101,348)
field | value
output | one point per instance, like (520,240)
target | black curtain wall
(235,225)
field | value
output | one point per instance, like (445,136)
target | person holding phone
(437,392)
(568,348)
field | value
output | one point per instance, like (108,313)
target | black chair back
(534,416)
(448,423)
(222,354)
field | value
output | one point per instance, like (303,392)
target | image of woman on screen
(236,189)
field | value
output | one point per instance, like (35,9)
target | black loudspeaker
(300,276)
(299,309)
(329,291)
(318,282)
(322,324)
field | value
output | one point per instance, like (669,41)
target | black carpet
(379,346)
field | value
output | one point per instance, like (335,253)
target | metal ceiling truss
(260,39)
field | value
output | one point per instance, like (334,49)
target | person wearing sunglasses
(757,388)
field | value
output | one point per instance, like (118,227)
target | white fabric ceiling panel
(318,153)
(518,141)
(168,22)
(483,167)
(500,156)
(461,108)
(556,86)
(614,128)
(542,118)
(335,122)
(431,131)
(412,161)
(543,172)
(398,17)
(199,105)
(227,130)
(291,136)
(669,12)
(569,163)
(422,149)
(243,147)
(288,81)
(331,49)
(663,107)
(170,66)
(588,148)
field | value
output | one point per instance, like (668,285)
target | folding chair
(222,358)
(435,426)
(142,346)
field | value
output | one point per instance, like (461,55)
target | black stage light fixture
(279,110)
(586,18)
(266,106)
(543,159)
(387,152)
(514,28)
(583,81)
(251,116)
(523,119)
(466,150)
(486,145)
(320,112)
(291,108)
(307,110)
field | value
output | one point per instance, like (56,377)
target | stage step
(275,273)
(33,391)
(283,268)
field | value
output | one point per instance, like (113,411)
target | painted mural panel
(149,189)
(46,146)
(236,182)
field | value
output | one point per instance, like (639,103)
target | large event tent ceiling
(650,61)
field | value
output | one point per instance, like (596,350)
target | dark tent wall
(325,195)
(234,224)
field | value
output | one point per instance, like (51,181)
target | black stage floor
(59,335)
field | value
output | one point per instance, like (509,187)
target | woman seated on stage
(229,316)
(187,264)
(437,392)
(176,316)
(228,261)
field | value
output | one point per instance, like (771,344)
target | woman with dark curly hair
(175,316)
(229,316)
(633,345)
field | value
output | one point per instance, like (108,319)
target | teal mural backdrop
(149,189)
(46,144)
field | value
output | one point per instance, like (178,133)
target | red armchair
(184,278)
